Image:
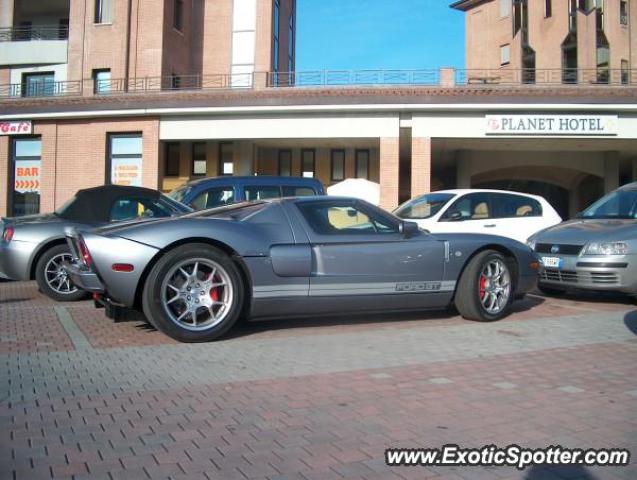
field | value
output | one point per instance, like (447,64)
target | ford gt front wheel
(194,293)
(485,289)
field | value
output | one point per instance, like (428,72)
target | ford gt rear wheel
(485,288)
(194,293)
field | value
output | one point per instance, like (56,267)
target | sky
(378,34)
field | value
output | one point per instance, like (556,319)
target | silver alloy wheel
(197,294)
(56,276)
(494,286)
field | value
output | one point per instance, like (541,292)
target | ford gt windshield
(620,204)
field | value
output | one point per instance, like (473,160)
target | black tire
(550,291)
(41,277)
(467,299)
(157,314)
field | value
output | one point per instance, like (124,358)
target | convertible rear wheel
(485,288)
(194,293)
(51,277)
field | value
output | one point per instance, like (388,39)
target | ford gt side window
(328,219)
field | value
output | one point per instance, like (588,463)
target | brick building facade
(177,89)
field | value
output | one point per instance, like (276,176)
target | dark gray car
(34,247)
(595,251)
(195,275)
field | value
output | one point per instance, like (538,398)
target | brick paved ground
(81,397)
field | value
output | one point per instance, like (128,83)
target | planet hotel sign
(560,125)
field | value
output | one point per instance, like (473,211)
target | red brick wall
(420,165)
(217,37)
(74,156)
(4,174)
(389,155)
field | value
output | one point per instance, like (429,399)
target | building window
(226,160)
(103,11)
(178,18)
(517,16)
(548,8)
(290,44)
(275,38)
(173,159)
(362,164)
(63,29)
(285,163)
(308,163)
(505,8)
(101,81)
(623,12)
(199,164)
(27,160)
(41,84)
(625,73)
(338,165)
(505,54)
(175,81)
(124,159)
(603,63)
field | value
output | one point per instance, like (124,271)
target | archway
(568,190)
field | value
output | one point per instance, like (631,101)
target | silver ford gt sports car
(195,275)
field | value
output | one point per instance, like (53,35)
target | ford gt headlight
(606,248)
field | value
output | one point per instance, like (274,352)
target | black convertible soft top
(94,204)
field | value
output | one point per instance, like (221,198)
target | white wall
(221,128)
(472,125)
(59,72)
(244,24)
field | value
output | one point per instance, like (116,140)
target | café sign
(562,125)
(22,127)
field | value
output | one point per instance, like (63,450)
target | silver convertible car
(34,247)
(195,275)
(597,250)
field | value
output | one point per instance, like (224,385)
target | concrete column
(420,165)
(611,171)
(573,200)
(463,169)
(243,155)
(389,155)
(634,165)
(6,13)
(447,77)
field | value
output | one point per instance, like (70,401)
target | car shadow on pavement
(595,297)
(247,328)
(543,472)
(630,320)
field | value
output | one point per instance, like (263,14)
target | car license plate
(555,262)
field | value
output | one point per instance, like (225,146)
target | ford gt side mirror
(408,229)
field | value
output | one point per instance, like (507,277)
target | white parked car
(496,212)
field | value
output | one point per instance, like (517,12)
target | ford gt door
(359,251)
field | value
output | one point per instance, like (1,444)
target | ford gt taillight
(7,234)
(86,256)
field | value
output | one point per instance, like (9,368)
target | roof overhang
(465,5)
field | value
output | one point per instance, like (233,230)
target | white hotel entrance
(570,159)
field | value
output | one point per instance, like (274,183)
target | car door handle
(491,225)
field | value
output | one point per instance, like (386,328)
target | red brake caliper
(483,286)
(214,292)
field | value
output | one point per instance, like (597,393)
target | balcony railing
(27,34)
(447,78)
